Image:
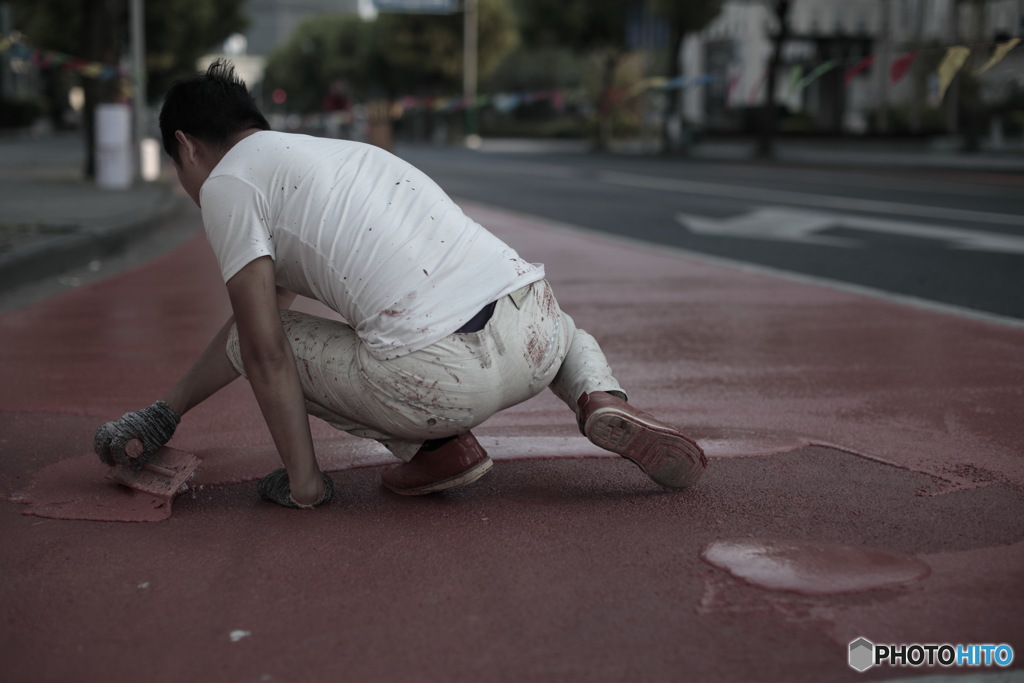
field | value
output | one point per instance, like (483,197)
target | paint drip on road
(811,567)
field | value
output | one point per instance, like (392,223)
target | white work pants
(448,387)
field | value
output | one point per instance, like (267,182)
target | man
(445,324)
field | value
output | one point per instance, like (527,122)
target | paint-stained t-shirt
(361,231)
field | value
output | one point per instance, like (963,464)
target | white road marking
(799,225)
(770,196)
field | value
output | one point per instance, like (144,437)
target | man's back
(360,230)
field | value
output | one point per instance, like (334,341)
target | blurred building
(273,21)
(737,46)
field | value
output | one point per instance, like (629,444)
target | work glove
(153,426)
(276,488)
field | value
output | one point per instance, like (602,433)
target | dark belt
(478,321)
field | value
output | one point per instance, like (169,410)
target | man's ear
(186,146)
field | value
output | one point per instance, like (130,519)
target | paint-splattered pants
(448,387)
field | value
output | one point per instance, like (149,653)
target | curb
(56,254)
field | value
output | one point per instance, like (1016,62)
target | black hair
(212,106)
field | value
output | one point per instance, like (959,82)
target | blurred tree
(395,54)
(322,50)
(592,27)
(178,32)
(424,51)
(682,18)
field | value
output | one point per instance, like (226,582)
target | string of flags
(46,59)
(951,64)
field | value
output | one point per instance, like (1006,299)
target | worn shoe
(457,463)
(662,451)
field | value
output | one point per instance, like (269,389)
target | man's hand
(276,488)
(153,426)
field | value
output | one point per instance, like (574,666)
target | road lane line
(764,195)
(784,223)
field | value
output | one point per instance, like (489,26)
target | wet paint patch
(76,489)
(813,567)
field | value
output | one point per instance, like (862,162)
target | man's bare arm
(212,371)
(269,363)
(208,375)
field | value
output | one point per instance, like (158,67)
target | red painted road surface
(866,479)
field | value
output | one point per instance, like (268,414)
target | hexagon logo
(862,654)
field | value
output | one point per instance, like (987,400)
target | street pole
(138,42)
(882,70)
(6,78)
(469,71)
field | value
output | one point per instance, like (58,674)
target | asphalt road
(955,238)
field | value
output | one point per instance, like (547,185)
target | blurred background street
(796,226)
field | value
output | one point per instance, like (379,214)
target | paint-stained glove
(153,426)
(276,488)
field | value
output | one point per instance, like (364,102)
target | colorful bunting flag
(755,94)
(953,61)
(901,66)
(817,73)
(950,65)
(796,75)
(857,68)
(1002,49)
(734,80)
(45,59)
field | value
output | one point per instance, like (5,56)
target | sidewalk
(52,219)
(866,480)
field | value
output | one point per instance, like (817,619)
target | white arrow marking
(796,225)
(766,195)
(770,223)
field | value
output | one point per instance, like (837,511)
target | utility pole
(765,148)
(469,71)
(917,73)
(6,77)
(882,69)
(138,42)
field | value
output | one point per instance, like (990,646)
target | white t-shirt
(361,231)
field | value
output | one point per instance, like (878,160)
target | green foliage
(49,24)
(432,44)
(581,25)
(395,55)
(322,50)
(541,68)
(178,32)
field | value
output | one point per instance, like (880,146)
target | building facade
(827,39)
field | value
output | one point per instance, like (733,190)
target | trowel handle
(133,448)
(162,471)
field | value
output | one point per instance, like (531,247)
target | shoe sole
(665,455)
(464,479)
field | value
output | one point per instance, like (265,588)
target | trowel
(164,474)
